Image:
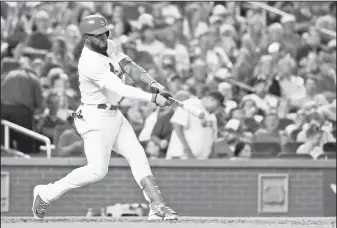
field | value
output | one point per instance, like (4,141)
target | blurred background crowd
(267,82)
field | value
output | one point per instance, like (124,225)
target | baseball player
(102,126)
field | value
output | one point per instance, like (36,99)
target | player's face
(99,42)
(211,104)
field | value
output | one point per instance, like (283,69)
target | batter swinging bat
(189,108)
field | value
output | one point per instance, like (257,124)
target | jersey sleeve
(102,77)
(114,50)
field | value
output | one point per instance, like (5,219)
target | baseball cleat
(39,206)
(162,212)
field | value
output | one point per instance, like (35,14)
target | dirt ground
(184,222)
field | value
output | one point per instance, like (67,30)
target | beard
(99,46)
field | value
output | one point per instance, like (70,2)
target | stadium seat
(220,150)
(9,64)
(251,124)
(267,147)
(326,156)
(285,123)
(329,147)
(291,147)
(262,155)
(293,156)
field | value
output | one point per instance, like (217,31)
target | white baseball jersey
(101,80)
(200,138)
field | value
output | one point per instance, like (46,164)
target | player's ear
(86,39)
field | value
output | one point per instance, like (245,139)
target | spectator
(121,25)
(51,119)
(192,137)
(40,39)
(291,85)
(311,43)
(152,150)
(291,40)
(251,115)
(254,33)
(310,94)
(312,145)
(135,118)
(61,55)
(199,75)
(264,101)
(194,26)
(174,83)
(21,98)
(274,34)
(150,43)
(72,37)
(162,130)
(70,143)
(180,52)
(216,57)
(59,82)
(228,37)
(226,90)
(178,31)
(242,151)
(143,58)
(270,131)
(315,121)
(232,133)
(326,80)
(149,123)
(327,21)
(83,12)
(292,130)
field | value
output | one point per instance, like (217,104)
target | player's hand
(156,87)
(160,100)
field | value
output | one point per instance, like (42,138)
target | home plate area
(183,222)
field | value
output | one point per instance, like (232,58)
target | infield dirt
(184,222)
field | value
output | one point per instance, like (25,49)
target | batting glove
(160,100)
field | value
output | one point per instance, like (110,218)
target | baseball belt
(105,106)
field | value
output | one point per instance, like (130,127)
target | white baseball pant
(102,130)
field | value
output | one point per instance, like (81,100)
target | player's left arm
(136,72)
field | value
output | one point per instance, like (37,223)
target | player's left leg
(129,147)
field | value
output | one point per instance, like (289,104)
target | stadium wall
(191,187)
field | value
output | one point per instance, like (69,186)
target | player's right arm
(179,121)
(107,80)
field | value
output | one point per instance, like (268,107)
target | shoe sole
(172,218)
(157,218)
(35,193)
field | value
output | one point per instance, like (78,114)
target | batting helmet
(94,25)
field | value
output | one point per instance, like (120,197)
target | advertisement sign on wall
(273,193)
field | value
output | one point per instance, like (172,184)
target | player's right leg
(98,137)
(128,146)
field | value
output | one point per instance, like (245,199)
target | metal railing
(9,125)
(282,13)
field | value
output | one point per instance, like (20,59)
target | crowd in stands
(266,82)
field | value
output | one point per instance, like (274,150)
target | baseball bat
(189,108)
